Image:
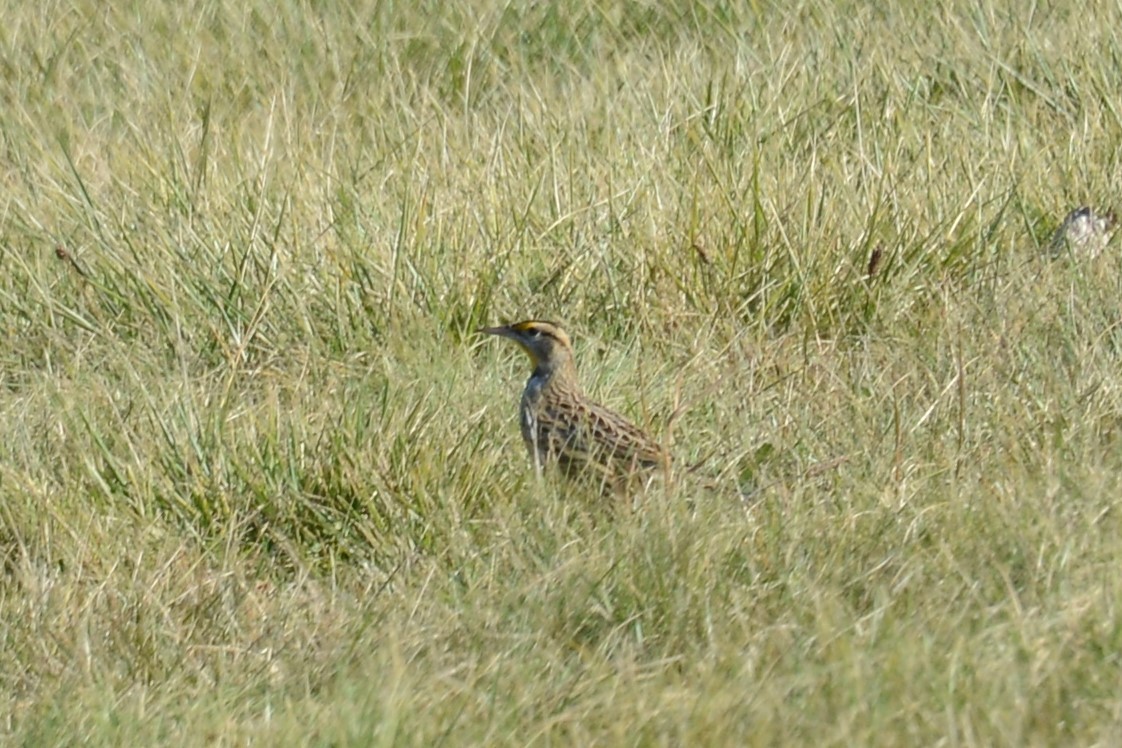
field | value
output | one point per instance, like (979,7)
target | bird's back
(560,424)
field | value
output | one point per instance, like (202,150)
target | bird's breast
(531,397)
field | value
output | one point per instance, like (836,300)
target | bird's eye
(535,333)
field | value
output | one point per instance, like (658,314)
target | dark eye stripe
(534,327)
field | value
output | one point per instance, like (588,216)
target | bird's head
(545,343)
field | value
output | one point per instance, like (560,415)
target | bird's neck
(561,370)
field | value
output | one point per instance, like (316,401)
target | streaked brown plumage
(559,424)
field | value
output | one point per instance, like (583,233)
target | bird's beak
(502,330)
(506,331)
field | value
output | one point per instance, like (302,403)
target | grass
(260,483)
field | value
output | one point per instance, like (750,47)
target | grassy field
(261,483)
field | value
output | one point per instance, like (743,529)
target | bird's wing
(591,433)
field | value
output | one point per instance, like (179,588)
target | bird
(563,427)
(1083,230)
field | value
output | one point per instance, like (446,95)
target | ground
(261,482)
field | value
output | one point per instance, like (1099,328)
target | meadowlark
(561,426)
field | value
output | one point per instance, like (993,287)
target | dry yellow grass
(256,484)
